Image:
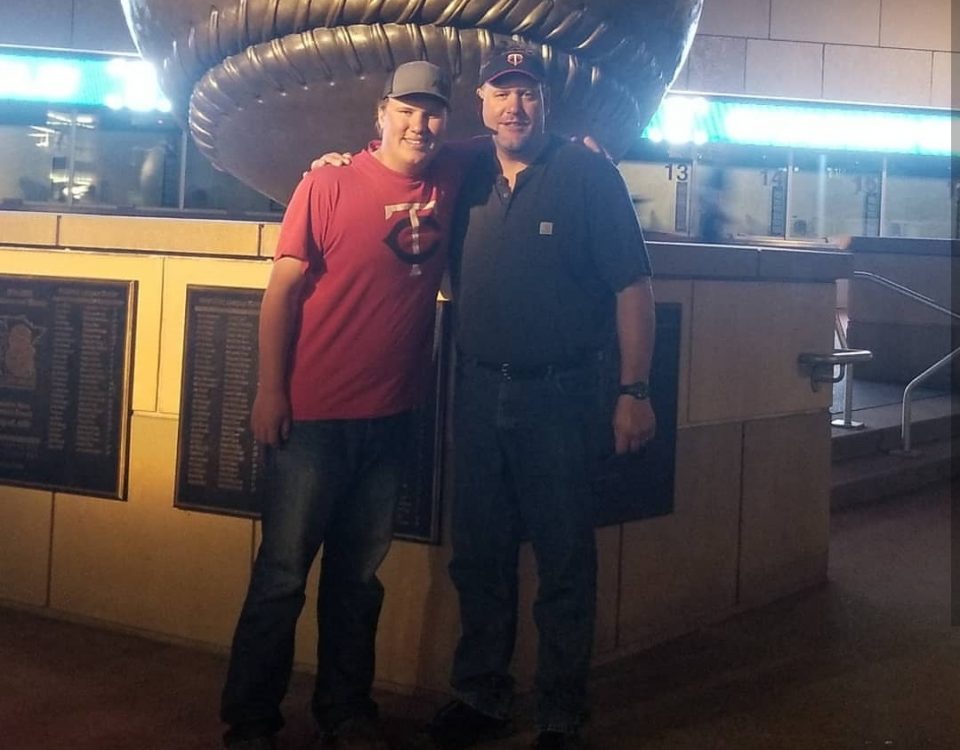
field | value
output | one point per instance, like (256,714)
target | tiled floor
(868,661)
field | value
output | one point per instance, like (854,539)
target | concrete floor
(868,661)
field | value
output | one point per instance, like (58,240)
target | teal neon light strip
(113,82)
(684,119)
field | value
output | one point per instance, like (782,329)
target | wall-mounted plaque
(636,486)
(65,365)
(219,466)
(418,509)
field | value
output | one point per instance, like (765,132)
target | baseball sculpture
(266,85)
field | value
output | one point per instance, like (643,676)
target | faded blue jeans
(523,467)
(333,483)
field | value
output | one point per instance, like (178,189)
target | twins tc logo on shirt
(414,239)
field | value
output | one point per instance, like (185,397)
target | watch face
(637,390)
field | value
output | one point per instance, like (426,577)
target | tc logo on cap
(515,59)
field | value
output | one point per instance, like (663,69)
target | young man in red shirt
(346,331)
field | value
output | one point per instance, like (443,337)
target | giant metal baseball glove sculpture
(268,85)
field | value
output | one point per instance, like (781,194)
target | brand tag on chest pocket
(546,228)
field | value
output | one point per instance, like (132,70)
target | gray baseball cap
(418,77)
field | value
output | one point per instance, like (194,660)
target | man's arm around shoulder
(271,416)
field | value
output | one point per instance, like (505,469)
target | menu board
(65,366)
(219,464)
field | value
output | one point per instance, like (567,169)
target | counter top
(729,262)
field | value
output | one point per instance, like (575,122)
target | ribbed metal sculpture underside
(268,84)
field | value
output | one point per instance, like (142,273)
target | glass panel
(739,193)
(126,164)
(660,193)
(921,198)
(834,195)
(34,159)
(208,188)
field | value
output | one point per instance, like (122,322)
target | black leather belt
(514,372)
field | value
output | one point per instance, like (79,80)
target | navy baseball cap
(418,77)
(513,59)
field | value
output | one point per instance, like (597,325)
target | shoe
(558,741)
(355,733)
(458,725)
(268,742)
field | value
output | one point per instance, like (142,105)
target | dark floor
(868,661)
(868,394)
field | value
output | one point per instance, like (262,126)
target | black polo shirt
(535,270)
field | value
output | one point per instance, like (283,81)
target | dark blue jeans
(333,483)
(523,466)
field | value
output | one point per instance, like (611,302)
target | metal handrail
(847,422)
(906,412)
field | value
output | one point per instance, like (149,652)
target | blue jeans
(333,483)
(523,467)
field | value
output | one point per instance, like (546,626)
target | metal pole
(883,199)
(182,184)
(847,421)
(906,413)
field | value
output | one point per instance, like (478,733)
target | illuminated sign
(113,82)
(130,83)
(684,119)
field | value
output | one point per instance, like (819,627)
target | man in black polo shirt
(552,269)
(549,270)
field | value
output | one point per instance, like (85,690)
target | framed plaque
(219,464)
(636,486)
(418,509)
(66,348)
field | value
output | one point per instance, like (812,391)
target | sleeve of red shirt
(301,233)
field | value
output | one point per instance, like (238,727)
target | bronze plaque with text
(219,464)
(65,366)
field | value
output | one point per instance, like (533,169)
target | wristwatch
(639,390)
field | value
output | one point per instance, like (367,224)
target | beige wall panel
(793,69)
(915,24)
(786,506)
(681,570)
(847,22)
(178,273)
(145,564)
(161,235)
(25,523)
(716,64)
(747,18)
(269,235)
(680,292)
(930,275)
(146,271)
(745,341)
(944,64)
(24,228)
(525,654)
(420,623)
(100,25)
(886,76)
(36,23)
(305,648)
(608,589)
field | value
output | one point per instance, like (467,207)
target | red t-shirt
(375,244)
